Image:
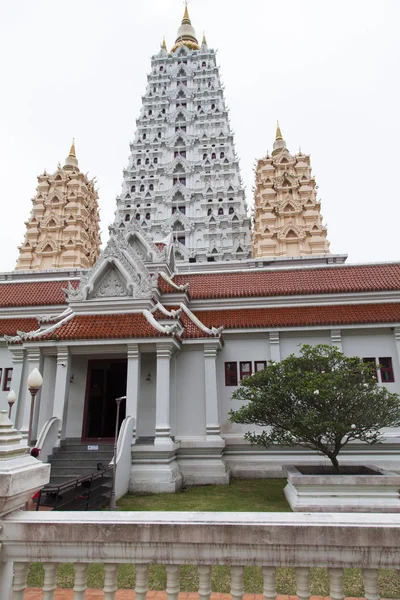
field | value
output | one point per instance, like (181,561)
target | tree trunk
(335,463)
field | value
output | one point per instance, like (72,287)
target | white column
(275,346)
(33,362)
(213,427)
(16,382)
(336,339)
(61,388)
(396,332)
(133,383)
(163,428)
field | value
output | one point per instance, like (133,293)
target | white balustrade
(80,580)
(142,575)
(267,540)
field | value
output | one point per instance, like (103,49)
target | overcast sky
(328,70)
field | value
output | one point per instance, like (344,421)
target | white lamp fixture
(11,398)
(34,382)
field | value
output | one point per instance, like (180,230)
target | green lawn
(259,495)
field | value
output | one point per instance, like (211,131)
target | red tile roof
(329,280)
(11,326)
(35,293)
(298,316)
(96,327)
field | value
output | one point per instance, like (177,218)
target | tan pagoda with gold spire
(63,228)
(287,214)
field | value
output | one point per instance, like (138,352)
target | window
(209,212)
(155,160)
(7,379)
(181,180)
(133,188)
(148,216)
(231,210)
(151,187)
(142,188)
(139,161)
(159,134)
(127,218)
(245,369)
(231,377)
(372,362)
(222,155)
(181,239)
(204,156)
(144,136)
(203,64)
(386,367)
(147,161)
(137,216)
(150,112)
(220,211)
(259,365)
(213,156)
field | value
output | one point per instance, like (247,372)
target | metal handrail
(82,484)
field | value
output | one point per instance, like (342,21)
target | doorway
(106,380)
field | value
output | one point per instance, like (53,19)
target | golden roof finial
(164,44)
(278,132)
(204,42)
(72,151)
(186,13)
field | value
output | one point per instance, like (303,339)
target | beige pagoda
(63,229)
(287,217)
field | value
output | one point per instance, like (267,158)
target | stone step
(76,446)
(60,463)
(77,456)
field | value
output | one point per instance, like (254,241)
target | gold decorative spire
(279,143)
(164,44)
(72,151)
(186,33)
(186,14)
(204,42)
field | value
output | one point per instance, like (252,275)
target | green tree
(320,399)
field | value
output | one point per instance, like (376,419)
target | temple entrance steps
(75,458)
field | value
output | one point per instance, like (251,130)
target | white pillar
(133,383)
(16,382)
(396,332)
(213,427)
(163,427)
(275,346)
(33,362)
(336,339)
(61,388)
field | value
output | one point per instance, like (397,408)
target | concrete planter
(377,491)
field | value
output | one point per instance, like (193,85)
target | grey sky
(328,70)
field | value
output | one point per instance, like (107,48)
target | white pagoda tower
(183,174)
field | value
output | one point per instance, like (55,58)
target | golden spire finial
(72,151)
(186,13)
(204,39)
(278,132)
(164,44)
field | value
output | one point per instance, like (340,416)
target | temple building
(63,229)
(287,214)
(183,174)
(175,311)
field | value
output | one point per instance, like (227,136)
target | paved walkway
(62,594)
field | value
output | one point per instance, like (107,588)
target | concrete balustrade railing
(269,540)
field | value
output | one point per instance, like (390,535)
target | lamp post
(35,381)
(113,504)
(11,398)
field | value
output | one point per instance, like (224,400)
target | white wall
(5,363)
(291,341)
(250,347)
(146,415)
(373,343)
(190,400)
(76,399)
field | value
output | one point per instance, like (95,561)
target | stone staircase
(73,459)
